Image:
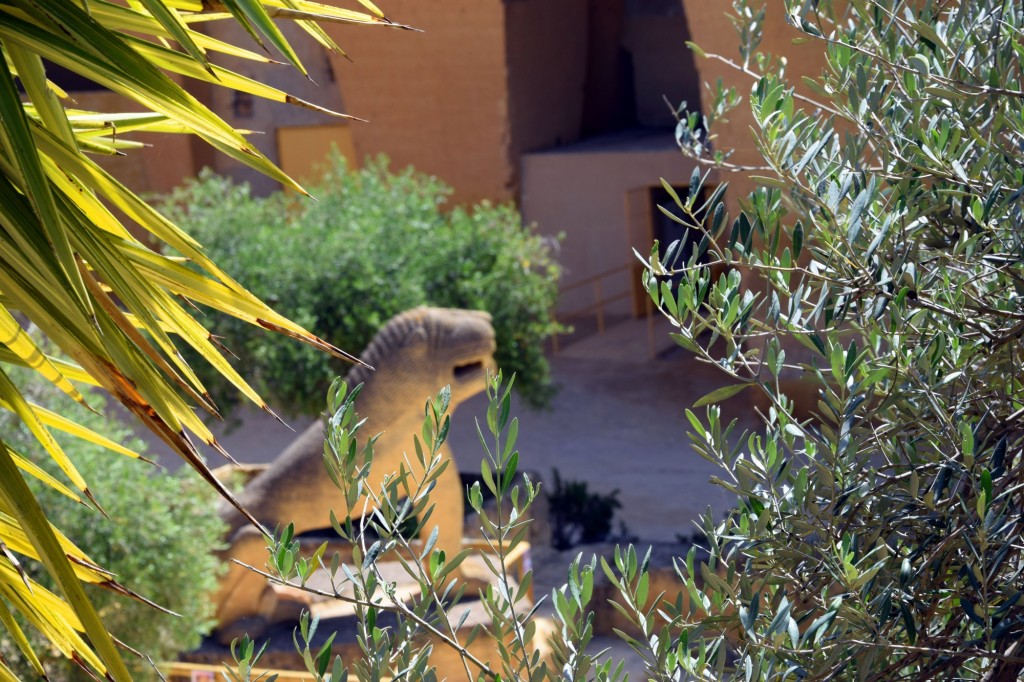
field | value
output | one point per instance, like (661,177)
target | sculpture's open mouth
(469,370)
(472,361)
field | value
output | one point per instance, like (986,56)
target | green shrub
(579,516)
(374,244)
(877,532)
(157,540)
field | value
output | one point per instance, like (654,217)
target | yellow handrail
(601,302)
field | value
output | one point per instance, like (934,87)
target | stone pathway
(617,423)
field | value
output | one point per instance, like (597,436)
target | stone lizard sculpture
(415,354)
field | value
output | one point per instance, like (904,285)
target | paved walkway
(616,423)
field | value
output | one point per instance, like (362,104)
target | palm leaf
(116,309)
(120,18)
(46,612)
(15,402)
(253,13)
(68,369)
(12,627)
(182,280)
(98,54)
(41,91)
(372,7)
(300,10)
(37,472)
(53,616)
(17,139)
(22,345)
(180,63)
(177,29)
(52,419)
(315,31)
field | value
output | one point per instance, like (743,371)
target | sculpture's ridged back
(295,480)
(391,336)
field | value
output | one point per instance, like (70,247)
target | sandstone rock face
(415,355)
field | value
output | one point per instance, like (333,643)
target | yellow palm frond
(117,309)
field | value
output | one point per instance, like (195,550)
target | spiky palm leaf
(114,306)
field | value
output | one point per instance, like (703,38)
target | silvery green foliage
(877,538)
(398,646)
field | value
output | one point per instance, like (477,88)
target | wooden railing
(601,302)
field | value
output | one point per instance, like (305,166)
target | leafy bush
(374,244)
(579,516)
(877,536)
(157,540)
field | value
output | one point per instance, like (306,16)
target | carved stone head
(431,348)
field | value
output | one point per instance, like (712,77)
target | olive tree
(879,262)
